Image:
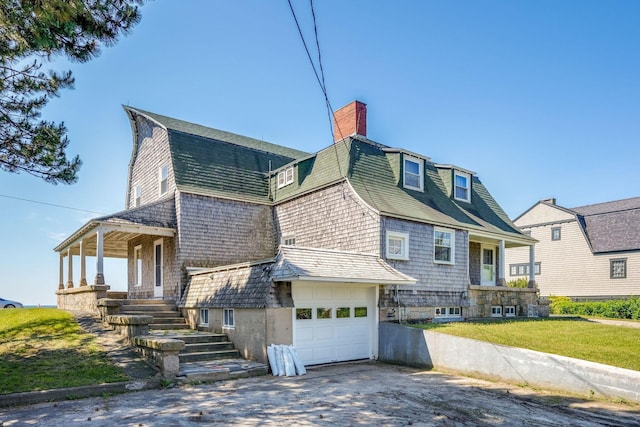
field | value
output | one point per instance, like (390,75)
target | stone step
(169,326)
(168,302)
(155,314)
(220,369)
(148,307)
(192,337)
(207,347)
(208,355)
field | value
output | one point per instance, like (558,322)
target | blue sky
(540,98)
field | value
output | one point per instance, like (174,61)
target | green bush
(615,309)
(522,282)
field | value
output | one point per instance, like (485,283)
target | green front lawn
(45,348)
(581,339)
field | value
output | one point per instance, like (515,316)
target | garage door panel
(334,332)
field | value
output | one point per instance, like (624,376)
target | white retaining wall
(417,347)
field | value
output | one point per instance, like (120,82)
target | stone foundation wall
(83,298)
(482,298)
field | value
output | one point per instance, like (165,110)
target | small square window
(555,233)
(164,178)
(204,317)
(285,177)
(397,245)
(343,312)
(462,187)
(229,318)
(448,311)
(360,312)
(289,240)
(443,241)
(323,313)
(303,313)
(413,173)
(618,268)
(496,311)
(510,311)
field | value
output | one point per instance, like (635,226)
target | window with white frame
(462,187)
(137,265)
(555,233)
(229,318)
(510,311)
(289,240)
(523,269)
(164,179)
(448,311)
(204,317)
(618,268)
(443,242)
(137,196)
(285,177)
(397,245)
(496,311)
(413,173)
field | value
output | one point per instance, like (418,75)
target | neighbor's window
(618,268)
(229,318)
(285,177)
(397,245)
(164,178)
(443,246)
(413,173)
(496,311)
(137,255)
(462,188)
(137,196)
(523,269)
(204,317)
(289,240)
(555,233)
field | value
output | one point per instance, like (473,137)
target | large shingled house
(273,245)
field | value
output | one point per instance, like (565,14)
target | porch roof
(156,219)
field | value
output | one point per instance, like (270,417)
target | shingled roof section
(216,163)
(161,213)
(611,226)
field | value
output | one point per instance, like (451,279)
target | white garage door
(334,323)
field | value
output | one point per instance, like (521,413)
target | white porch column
(83,264)
(99,280)
(61,272)
(70,269)
(532,266)
(501,271)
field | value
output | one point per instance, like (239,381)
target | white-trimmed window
(229,318)
(510,311)
(448,311)
(397,245)
(413,173)
(137,265)
(556,233)
(164,179)
(285,177)
(618,268)
(204,317)
(462,186)
(443,246)
(496,311)
(523,269)
(137,196)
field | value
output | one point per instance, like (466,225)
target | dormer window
(164,179)
(462,187)
(285,177)
(413,173)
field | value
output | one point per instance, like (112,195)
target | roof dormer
(458,181)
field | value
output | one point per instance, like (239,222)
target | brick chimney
(350,120)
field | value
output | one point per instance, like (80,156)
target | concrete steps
(164,312)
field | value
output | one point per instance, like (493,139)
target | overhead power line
(50,204)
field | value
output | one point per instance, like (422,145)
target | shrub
(521,282)
(615,309)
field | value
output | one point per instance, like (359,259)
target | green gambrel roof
(375,174)
(216,163)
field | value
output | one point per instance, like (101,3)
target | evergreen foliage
(32,32)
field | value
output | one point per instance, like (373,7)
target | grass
(45,348)
(612,345)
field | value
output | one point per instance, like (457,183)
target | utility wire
(50,204)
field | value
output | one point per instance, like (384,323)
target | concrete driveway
(366,394)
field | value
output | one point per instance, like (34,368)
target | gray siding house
(273,245)
(586,253)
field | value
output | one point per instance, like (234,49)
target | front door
(488,266)
(157,264)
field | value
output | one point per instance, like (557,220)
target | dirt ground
(362,394)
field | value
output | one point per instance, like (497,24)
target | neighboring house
(273,245)
(589,252)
